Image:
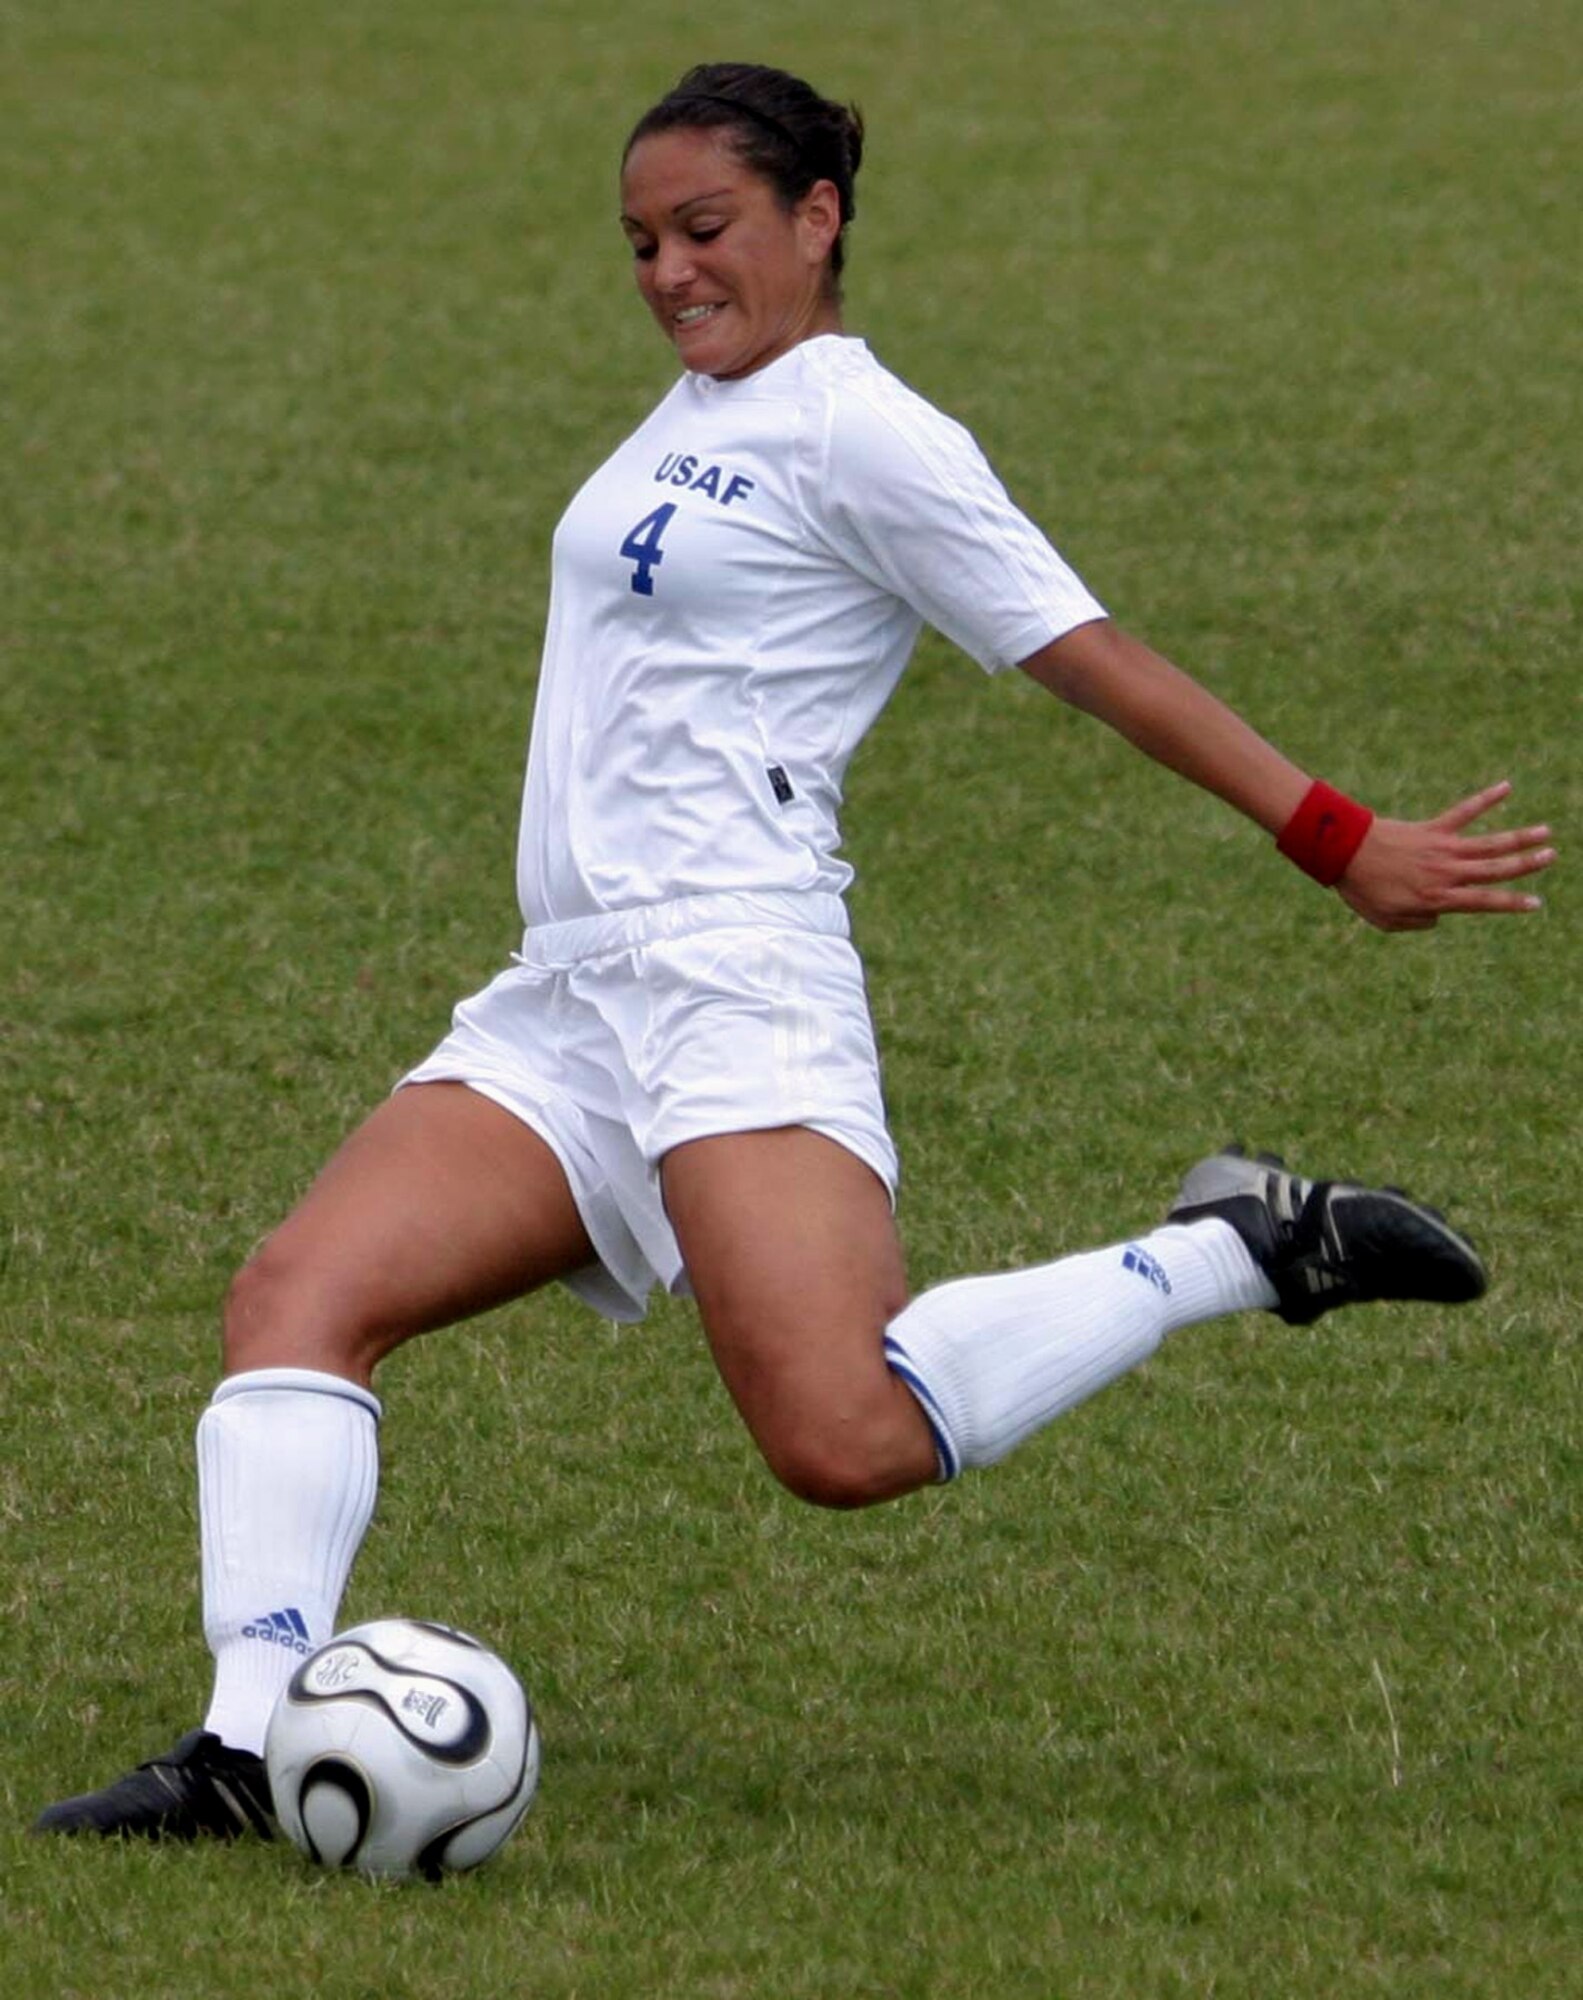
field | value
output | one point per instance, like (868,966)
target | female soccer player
(676,1080)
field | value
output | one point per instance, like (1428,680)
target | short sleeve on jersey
(909,500)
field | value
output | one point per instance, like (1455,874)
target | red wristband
(1324,833)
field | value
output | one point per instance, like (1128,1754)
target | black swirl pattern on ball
(449,1632)
(335,1774)
(431,1863)
(467,1749)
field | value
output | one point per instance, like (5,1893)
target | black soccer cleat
(203,1789)
(1331,1243)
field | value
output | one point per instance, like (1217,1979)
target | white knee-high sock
(288,1467)
(992,1360)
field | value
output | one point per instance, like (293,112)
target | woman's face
(734,279)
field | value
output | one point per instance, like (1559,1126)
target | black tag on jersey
(781,785)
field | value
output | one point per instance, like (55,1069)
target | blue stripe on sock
(944,1449)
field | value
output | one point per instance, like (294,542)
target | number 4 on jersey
(642,547)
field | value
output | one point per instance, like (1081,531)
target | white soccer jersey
(735,593)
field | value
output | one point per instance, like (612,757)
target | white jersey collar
(713,385)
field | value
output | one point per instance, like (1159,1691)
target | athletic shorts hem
(616,1056)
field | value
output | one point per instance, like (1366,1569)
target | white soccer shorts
(618,1037)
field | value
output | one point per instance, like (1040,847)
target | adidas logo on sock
(1134,1258)
(282,1628)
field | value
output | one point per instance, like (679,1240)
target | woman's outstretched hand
(1408,874)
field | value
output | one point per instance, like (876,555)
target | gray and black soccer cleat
(1331,1243)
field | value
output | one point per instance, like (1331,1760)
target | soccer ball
(402,1748)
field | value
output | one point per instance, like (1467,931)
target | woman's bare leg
(793,1256)
(440,1205)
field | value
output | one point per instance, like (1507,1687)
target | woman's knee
(847,1465)
(281,1313)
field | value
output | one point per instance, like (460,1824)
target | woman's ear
(819,220)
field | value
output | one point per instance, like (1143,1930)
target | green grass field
(1259,1676)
